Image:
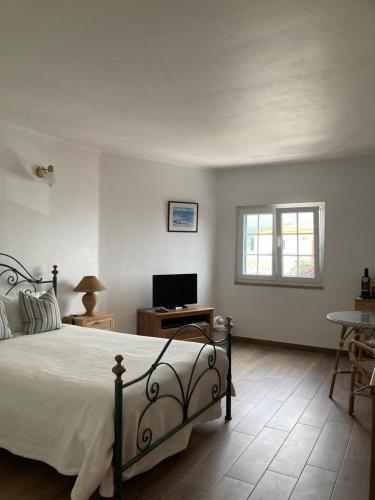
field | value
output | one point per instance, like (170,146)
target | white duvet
(57,397)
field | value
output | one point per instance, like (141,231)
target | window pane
(252,224)
(265,245)
(265,265)
(258,247)
(265,224)
(306,267)
(288,222)
(252,244)
(305,222)
(290,244)
(306,244)
(290,266)
(251,264)
(294,256)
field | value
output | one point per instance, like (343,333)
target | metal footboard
(145,442)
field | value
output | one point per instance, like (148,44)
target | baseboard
(284,345)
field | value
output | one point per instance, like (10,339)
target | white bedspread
(57,397)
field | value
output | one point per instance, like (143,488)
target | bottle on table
(365,285)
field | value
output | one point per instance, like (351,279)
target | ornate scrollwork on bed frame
(16,275)
(153,393)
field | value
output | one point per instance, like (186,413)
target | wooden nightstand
(105,321)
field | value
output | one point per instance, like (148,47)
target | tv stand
(154,324)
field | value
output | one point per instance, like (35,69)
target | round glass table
(352,323)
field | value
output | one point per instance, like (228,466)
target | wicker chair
(362,360)
(372,463)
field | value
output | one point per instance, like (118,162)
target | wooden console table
(364,304)
(154,324)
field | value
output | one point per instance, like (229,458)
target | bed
(59,402)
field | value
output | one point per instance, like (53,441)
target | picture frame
(182,217)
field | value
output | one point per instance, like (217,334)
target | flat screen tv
(171,290)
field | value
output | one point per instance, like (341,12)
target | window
(280,244)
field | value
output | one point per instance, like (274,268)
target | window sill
(285,284)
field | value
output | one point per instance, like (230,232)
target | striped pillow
(40,314)
(5,332)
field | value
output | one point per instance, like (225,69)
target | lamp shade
(90,284)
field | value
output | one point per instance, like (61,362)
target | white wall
(134,242)
(42,225)
(128,241)
(293,314)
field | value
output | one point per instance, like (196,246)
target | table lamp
(89,285)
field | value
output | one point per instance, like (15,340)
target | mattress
(57,400)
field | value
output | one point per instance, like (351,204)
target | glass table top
(353,318)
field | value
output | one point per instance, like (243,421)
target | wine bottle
(365,285)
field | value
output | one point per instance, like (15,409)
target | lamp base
(89,301)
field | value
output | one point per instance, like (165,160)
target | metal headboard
(16,274)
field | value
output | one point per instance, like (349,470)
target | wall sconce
(46,173)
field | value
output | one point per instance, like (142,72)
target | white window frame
(276,279)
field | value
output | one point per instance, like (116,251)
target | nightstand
(103,321)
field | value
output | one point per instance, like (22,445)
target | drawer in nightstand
(103,324)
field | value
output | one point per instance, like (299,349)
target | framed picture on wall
(182,217)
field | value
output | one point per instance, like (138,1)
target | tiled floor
(287,439)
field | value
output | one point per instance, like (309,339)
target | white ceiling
(193,82)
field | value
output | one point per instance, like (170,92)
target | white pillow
(13,311)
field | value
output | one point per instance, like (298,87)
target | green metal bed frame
(145,442)
(16,275)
